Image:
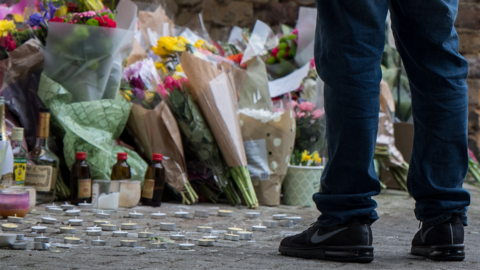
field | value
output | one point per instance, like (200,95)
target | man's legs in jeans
(349,45)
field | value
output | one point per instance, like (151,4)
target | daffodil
(179,68)
(306,157)
(6,27)
(199,44)
(316,158)
(161,66)
(169,45)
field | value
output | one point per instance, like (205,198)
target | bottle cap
(80,155)
(122,156)
(157,157)
(17,134)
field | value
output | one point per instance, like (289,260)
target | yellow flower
(93,5)
(161,66)
(199,44)
(316,157)
(179,68)
(17,18)
(61,11)
(305,156)
(169,45)
(127,94)
(5,27)
(149,96)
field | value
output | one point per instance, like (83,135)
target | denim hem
(443,218)
(328,223)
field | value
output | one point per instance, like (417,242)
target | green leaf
(197,135)
(177,99)
(203,155)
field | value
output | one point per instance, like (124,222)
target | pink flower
(294,104)
(295,31)
(312,63)
(161,91)
(275,52)
(306,106)
(171,84)
(317,113)
(300,115)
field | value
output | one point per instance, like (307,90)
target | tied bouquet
(311,127)
(139,83)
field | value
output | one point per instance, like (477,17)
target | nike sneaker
(443,242)
(349,242)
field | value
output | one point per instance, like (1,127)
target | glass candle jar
(130,192)
(14,202)
(31,190)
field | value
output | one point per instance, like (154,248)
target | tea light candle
(102,215)
(252,215)
(234,229)
(128,243)
(99,242)
(67,206)
(71,240)
(270,223)
(75,222)
(39,229)
(135,215)
(245,235)
(206,242)
(285,223)
(15,219)
(6,239)
(69,229)
(212,237)
(94,228)
(129,226)
(108,227)
(145,234)
(42,239)
(279,216)
(41,246)
(48,207)
(181,214)
(186,246)
(259,228)
(100,222)
(49,220)
(177,236)
(231,237)
(19,245)
(167,226)
(94,232)
(158,245)
(204,229)
(20,237)
(202,213)
(120,233)
(73,212)
(84,205)
(225,213)
(159,215)
(55,210)
(9,227)
(295,220)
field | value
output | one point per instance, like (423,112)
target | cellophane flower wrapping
(88,60)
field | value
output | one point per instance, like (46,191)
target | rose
(306,106)
(57,19)
(8,42)
(317,113)
(171,84)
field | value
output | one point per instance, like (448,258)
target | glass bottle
(19,156)
(154,182)
(121,169)
(80,180)
(43,173)
(6,153)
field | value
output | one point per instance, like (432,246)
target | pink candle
(14,203)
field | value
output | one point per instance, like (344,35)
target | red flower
(105,21)
(57,19)
(8,42)
(71,7)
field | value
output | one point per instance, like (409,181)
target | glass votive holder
(130,192)
(31,190)
(105,196)
(14,202)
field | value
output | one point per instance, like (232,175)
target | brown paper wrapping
(154,21)
(200,73)
(137,54)
(156,131)
(281,128)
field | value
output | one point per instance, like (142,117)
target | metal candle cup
(159,215)
(108,227)
(167,226)
(15,219)
(39,229)
(69,230)
(41,246)
(42,239)
(75,222)
(94,228)
(259,228)
(14,203)
(285,223)
(206,242)
(55,210)
(225,213)
(94,232)
(270,223)
(9,227)
(71,240)
(181,214)
(145,234)
(158,245)
(252,215)
(295,220)
(205,229)
(128,226)
(20,237)
(120,234)
(102,215)
(67,206)
(49,220)
(231,237)
(84,206)
(234,229)
(135,215)
(99,242)
(73,212)
(212,237)
(279,216)
(177,236)
(186,246)
(19,245)
(128,243)
(202,213)
(100,222)
(244,235)
(50,206)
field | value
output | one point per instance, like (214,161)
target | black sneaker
(350,242)
(443,242)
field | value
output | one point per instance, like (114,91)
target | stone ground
(392,236)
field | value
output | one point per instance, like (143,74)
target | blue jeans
(350,39)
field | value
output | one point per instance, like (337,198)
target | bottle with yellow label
(154,182)
(42,174)
(19,156)
(80,180)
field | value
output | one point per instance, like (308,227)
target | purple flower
(35,20)
(50,13)
(137,83)
(139,93)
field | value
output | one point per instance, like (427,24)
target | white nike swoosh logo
(423,235)
(317,239)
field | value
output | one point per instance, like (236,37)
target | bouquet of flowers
(305,159)
(311,127)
